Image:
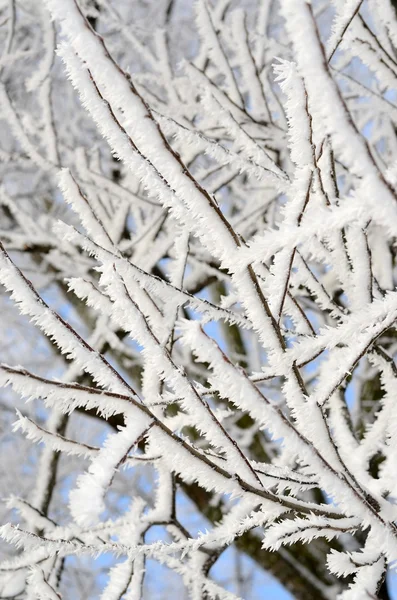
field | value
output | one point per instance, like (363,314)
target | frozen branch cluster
(234,268)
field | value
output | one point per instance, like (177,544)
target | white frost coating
(86,501)
(360,259)
(127,576)
(214,102)
(299,131)
(333,113)
(277,248)
(368,567)
(250,71)
(381,259)
(238,387)
(366,324)
(12,584)
(129,315)
(64,397)
(24,539)
(20,133)
(192,470)
(318,222)
(366,582)
(266,171)
(147,137)
(155,286)
(301,146)
(29,303)
(80,204)
(120,580)
(305,530)
(387,15)
(56,442)
(211,40)
(39,75)
(346,11)
(284,260)
(116,137)
(378,65)
(39,587)
(136,118)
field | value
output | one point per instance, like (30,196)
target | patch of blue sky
(351,393)
(392,584)
(391,95)
(252,583)
(161,583)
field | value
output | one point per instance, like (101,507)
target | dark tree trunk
(384,592)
